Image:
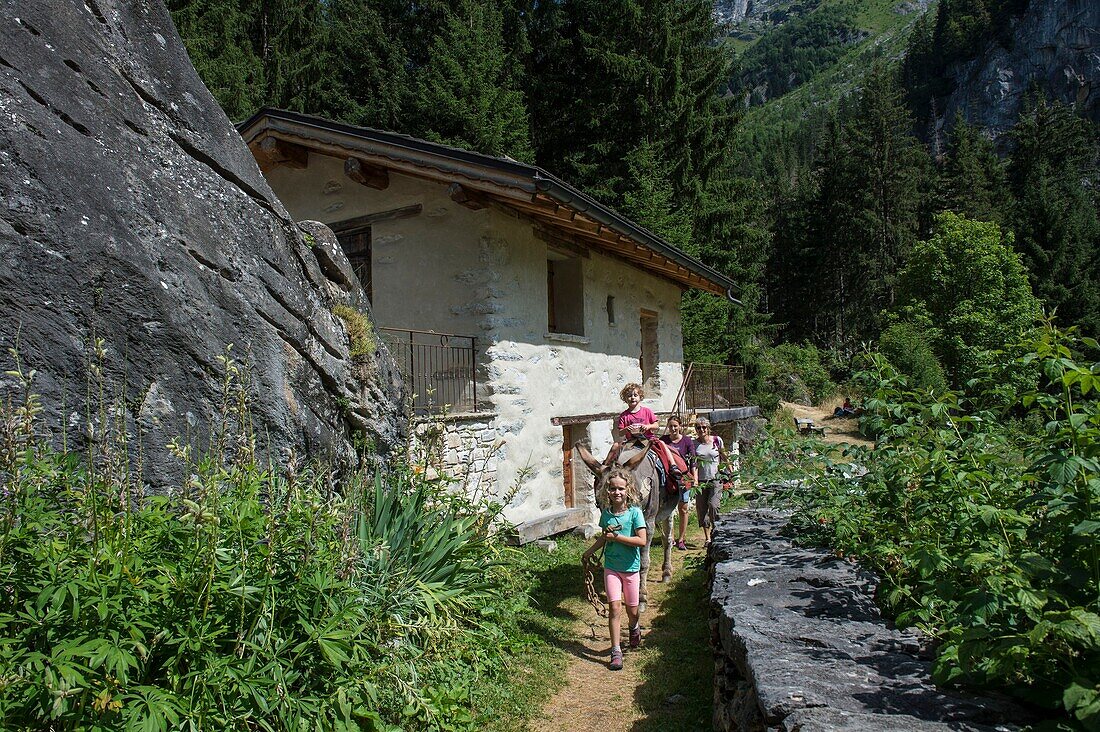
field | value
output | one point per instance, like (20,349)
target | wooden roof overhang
(562,215)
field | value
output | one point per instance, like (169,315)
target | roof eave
(495,170)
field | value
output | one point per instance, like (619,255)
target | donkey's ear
(589,460)
(613,455)
(636,460)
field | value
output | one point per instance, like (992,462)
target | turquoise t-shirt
(620,557)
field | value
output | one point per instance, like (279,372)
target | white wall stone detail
(483,273)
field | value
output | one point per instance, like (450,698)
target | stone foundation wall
(466,447)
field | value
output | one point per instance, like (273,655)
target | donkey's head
(602,470)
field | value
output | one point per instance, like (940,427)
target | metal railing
(440,369)
(710,386)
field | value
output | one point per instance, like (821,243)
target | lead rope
(592,566)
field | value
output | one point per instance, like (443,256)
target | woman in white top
(710,453)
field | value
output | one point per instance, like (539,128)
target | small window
(357,247)
(565,296)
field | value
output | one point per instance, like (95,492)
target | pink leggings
(622,585)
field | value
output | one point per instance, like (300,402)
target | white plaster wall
(483,273)
(426,269)
(535,377)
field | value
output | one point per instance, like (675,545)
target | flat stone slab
(732,414)
(555,523)
(800,645)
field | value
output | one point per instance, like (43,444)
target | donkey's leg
(666,530)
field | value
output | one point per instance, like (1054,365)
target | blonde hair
(632,387)
(633,496)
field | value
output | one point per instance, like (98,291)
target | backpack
(676,470)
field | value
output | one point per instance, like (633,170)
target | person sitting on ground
(681,443)
(636,421)
(846,409)
(710,453)
(624,535)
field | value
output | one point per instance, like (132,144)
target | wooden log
(367,174)
(271,152)
(464,197)
(348,226)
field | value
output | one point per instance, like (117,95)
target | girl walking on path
(681,443)
(710,453)
(624,535)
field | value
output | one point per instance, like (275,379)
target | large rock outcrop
(132,212)
(1055,46)
(800,645)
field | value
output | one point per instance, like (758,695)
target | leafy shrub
(796,373)
(225,607)
(985,537)
(908,349)
(245,599)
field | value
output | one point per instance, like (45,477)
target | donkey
(657,503)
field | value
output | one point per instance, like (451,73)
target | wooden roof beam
(272,152)
(568,245)
(367,174)
(463,196)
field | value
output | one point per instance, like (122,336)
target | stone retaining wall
(467,447)
(799,644)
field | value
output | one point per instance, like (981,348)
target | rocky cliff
(132,214)
(1055,46)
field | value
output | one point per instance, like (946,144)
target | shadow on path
(678,678)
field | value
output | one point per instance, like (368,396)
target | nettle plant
(248,598)
(981,511)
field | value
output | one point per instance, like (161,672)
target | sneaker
(635,637)
(616,660)
(681,545)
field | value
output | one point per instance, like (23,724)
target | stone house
(516,305)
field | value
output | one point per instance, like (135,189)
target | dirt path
(666,684)
(837,431)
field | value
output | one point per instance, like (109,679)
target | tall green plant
(984,531)
(248,598)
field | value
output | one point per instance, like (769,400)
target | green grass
(549,580)
(681,666)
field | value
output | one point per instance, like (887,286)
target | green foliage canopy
(969,290)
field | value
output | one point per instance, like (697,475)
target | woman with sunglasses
(710,453)
(681,443)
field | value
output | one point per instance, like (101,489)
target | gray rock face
(132,212)
(1055,45)
(800,645)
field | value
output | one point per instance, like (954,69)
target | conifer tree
(837,261)
(881,170)
(608,76)
(972,180)
(1055,219)
(468,93)
(218,35)
(290,40)
(366,79)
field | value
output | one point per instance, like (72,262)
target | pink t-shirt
(644,415)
